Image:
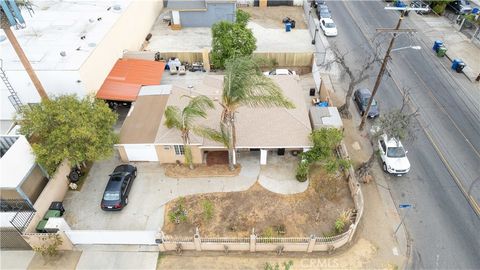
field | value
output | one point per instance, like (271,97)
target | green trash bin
(441,51)
(41,226)
(52,213)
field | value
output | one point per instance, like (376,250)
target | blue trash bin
(475,10)
(437,44)
(456,63)
(288,27)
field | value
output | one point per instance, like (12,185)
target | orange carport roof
(127,76)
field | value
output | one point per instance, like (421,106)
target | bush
(439,8)
(268,232)
(178,213)
(302,171)
(208,209)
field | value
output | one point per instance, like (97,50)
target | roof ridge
(298,120)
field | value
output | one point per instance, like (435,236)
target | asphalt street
(443,226)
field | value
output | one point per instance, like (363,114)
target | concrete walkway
(457,44)
(279,175)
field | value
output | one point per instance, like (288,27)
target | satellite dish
(63,53)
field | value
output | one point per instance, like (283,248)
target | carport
(124,81)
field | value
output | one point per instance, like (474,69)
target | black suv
(361,97)
(116,192)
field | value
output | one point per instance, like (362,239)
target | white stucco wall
(12,171)
(128,33)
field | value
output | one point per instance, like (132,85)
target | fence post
(311,243)
(197,241)
(160,240)
(253,241)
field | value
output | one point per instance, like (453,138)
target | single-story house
(144,136)
(22,179)
(201,13)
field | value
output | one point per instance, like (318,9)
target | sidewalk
(458,45)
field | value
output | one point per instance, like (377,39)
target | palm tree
(183,120)
(245,85)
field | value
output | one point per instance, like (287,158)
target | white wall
(128,33)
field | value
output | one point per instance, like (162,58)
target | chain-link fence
(470,29)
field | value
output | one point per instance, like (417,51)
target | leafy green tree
(232,39)
(325,142)
(245,85)
(67,127)
(184,120)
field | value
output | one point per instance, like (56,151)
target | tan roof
(256,127)
(143,120)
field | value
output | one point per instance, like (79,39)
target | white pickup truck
(393,155)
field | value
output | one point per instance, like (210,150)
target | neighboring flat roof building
(201,13)
(19,181)
(72,45)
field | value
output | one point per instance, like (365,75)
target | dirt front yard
(272,17)
(236,213)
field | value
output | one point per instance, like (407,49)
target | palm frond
(173,118)
(213,134)
(244,84)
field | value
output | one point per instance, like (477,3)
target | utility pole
(395,31)
(6,26)
(381,72)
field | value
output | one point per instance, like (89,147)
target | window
(396,152)
(384,147)
(111,196)
(179,151)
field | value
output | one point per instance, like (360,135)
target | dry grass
(182,171)
(236,213)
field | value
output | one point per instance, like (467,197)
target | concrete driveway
(151,190)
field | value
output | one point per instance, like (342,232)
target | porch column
(263,156)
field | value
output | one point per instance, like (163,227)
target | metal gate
(111,237)
(16,216)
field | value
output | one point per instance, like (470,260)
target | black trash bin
(312,92)
(57,206)
(460,67)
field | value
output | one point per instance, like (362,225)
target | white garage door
(141,152)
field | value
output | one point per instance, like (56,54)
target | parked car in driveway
(280,71)
(329,28)
(393,155)
(115,197)
(460,6)
(361,97)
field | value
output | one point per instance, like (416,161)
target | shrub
(302,171)
(50,246)
(178,213)
(342,221)
(439,8)
(268,232)
(208,209)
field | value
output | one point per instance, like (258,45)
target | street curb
(469,77)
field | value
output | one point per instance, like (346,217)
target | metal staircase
(13,97)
